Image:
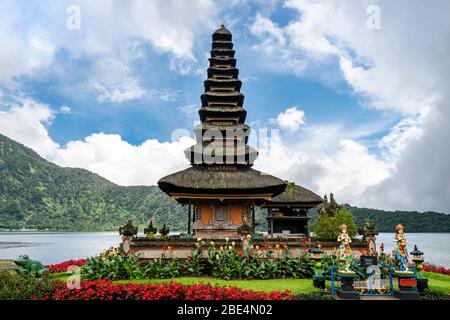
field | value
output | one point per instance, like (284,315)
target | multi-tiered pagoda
(220,187)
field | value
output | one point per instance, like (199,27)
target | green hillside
(413,221)
(37,194)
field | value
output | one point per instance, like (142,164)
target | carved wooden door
(221,216)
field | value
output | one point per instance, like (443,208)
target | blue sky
(267,92)
(353,96)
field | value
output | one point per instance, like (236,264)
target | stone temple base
(422,284)
(406,295)
(146,249)
(406,292)
(217,234)
(347,291)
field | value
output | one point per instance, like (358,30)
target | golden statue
(345,255)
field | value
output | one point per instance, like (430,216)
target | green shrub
(17,287)
(225,262)
(112,266)
(195,265)
(430,294)
(277,262)
(327,227)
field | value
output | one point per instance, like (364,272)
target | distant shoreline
(174,232)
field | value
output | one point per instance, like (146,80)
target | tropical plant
(105,290)
(17,287)
(112,265)
(327,226)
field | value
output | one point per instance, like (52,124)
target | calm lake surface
(54,247)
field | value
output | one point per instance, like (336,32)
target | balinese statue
(400,253)
(150,231)
(399,235)
(369,233)
(164,232)
(128,230)
(324,207)
(245,228)
(345,255)
(333,207)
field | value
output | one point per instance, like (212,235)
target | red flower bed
(62,267)
(437,269)
(105,290)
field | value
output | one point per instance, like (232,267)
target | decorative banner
(408,282)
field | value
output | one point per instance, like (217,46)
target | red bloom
(437,269)
(63,266)
(104,290)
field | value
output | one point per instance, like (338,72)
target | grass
(6,263)
(296,286)
(438,282)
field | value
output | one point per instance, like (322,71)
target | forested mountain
(37,194)
(413,221)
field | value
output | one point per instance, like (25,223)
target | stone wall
(146,249)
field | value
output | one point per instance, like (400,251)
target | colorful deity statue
(399,233)
(345,255)
(400,253)
(369,233)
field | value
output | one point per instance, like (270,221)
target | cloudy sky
(353,96)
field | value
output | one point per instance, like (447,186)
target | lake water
(53,247)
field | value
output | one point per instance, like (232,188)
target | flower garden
(225,273)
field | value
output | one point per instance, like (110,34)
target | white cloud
(125,91)
(113,81)
(291,119)
(105,154)
(64,109)
(337,169)
(26,122)
(401,69)
(275,44)
(189,110)
(124,163)
(32,33)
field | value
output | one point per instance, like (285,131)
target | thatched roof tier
(230,72)
(221,180)
(211,153)
(220,112)
(220,62)
(211,83)
(222,44)
(222,52)
(222,96)
(208,132)
(295,196)
(222,34)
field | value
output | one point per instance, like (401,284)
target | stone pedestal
(319,282)
(347,291)
(407,287)
(422,284)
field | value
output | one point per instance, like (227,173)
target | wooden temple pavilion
(220,187)
(287,212)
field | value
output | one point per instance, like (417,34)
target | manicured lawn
(438,282)
(6,263)
(294,285)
